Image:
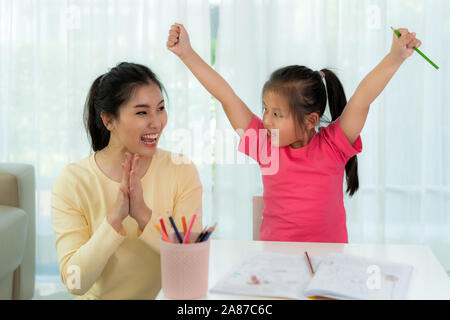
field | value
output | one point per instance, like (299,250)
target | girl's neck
(305,141)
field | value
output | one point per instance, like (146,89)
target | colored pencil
(163,227)
(176,230)
(208,234)
(417,50)
(183,220)
(309,262)
(186,236)
(201,235)
(162,234)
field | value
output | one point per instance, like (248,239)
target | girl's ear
(108,120)
(312,120)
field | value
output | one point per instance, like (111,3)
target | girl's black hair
(305,93)
(108,93)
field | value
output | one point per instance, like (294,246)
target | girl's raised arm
(355,112)
(236,110)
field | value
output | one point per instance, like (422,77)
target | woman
(105,207)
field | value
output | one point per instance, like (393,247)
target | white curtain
(51,52)
(404,194)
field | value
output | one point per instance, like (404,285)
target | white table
(428,281)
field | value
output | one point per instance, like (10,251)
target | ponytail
(97,132)
(337,102)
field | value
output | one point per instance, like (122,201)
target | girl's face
(278,120)
(282,126)
(141,121)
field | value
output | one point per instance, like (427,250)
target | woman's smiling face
(141,121)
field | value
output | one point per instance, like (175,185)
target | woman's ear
(108,120)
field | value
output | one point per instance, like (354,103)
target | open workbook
(337,275)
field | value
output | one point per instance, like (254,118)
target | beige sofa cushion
(13,236)
(8,196)
(17,189)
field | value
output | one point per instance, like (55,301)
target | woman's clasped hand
(130,200)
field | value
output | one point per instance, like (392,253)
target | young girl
(304,198)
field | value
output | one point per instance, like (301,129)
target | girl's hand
(138,208)
(122,204)
(402,47)
(178,41)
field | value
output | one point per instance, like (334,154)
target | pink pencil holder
(184,268)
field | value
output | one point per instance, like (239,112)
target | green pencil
(417,50)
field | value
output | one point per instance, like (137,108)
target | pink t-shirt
(303,188)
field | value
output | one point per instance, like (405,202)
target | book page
(268,274)
(351,277)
